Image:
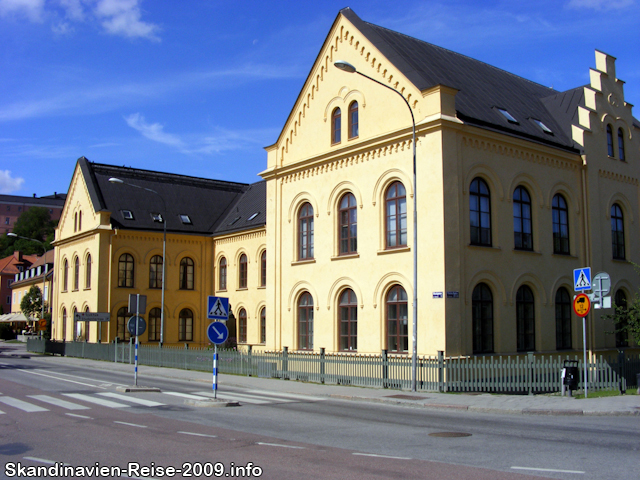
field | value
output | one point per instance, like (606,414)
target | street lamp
(44,263)
(347,67)
(164,247)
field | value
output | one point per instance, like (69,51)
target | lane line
(22,405)
(58,402)
(61,379)
(103,382)
(99,401)
(186,395)
(140,401)
(286,395)
(380,456)
(278,445)
(79,416)
(548,470)
(199,434)
(130,424)
(41,460)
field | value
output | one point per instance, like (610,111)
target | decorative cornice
(241,237)
(618,177)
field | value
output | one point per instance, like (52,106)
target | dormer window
(157,217)
(544,128)
(510,118)
(185,219)
(127,214)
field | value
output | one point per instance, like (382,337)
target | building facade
(12,206)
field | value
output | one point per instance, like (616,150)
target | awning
(15,317)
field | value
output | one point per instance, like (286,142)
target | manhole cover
(449,434)
(407,397)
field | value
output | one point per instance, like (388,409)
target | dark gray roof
(49,201)
(206,202)
(248,212)
(482,88)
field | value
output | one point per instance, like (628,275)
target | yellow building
(516,185)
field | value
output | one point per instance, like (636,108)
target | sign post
(136,326)
(581,307)
(217,333)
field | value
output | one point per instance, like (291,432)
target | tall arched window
(622,336)
(79,220)
(305,232)
(396,216)
(336,126)
(480,212)
(263,325)
(563,319)
(348,216)
(64,324)
(525,318)
(123,331)
(610,141)
(185,325)
(560,214)
(222,274)
(65,275)
(353,120)
(75,222)
(242,326)
(125,271)
(155,317)
(617,232)
(305,322)
(397,313)
(621,145)
(522,228)
(87,277)
(482,319)
(348,321)
(186,273)
(242,272)
(76,273)
(155,272)
(263,269)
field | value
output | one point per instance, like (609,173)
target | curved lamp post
(164,246)
(347,67)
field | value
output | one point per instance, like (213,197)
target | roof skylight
(254,215)
(127,214)
(508,116)
(544,128)
(186,219)
(157,217)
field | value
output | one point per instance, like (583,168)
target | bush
(6,332)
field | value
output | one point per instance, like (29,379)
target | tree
(34,223)
(31,303)
(627,317)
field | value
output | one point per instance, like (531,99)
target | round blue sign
(217,332)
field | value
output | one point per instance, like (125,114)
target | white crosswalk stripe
(261,397)
(238,397)
(186,395)
(58,402)
(288,395)
(99,401)
(22,405)
(139,401)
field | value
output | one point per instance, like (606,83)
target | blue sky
(200,87)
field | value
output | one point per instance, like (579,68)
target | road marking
(286,395)
(238,397)
(380,456)
(198,434)
(99,401)
(130,424)
(186,395)
(140,401)
(548,470)
(86,378)
(79,416)
(58,402)
(61,379)
(22,405)
(278,445)
(41,460)
(1,412)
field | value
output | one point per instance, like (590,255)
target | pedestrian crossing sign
(582,279)
(218,308)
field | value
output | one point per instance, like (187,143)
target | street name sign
(91,317)
(218,308)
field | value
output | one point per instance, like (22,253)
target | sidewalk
(471,402)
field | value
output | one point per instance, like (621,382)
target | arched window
(305,322)
(186,274)
(353,120)
(348,224)
(263,269)
(622,336)
(125,271)
(305,232)
(525,318)
(617,232)
(480,212)
(242,326)
(348,321)
(396,216)
(397,320)
(79,220)
(242,272)
(621,145)
(610,141)
(263,325)
(75,222)
(222,274)
(65,275)
(123,331)
(560,214)
(185,325)
(336,126)
(87,278)
(482,319)
(563,319)
(155,272)
(64,324)
(522,229)
(76,273)
(155,320)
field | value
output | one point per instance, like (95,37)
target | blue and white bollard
(215,372)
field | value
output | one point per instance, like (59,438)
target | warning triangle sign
(218,309)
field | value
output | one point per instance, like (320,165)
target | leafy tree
(627,317)
(34,223)
(31,303)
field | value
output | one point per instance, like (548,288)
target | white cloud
(32,9)
(153,131)
(600,4)
(122,17)
(9,184)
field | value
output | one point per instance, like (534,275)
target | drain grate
(407,397)
(449,434)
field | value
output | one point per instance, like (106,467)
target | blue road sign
(217,332)
(582,279)
(218,308)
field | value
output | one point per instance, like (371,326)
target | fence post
(621,372)
(249,362)
(115,344)
(322,365)
(385,370)
(285,363)
(530,360)
(441,386)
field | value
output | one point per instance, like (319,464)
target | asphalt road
(286,436)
